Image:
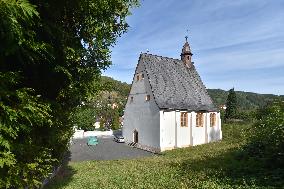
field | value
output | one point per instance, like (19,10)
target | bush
(267,140)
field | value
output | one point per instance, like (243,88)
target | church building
(168,106)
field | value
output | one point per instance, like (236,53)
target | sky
(236,44)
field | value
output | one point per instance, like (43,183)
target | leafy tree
(84,117)
(115,124)
(231,104)
(51,55)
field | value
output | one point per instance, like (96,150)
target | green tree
(231,104)
(84,117)
(115,124)
(51,54)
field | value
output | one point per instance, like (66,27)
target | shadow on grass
(231,169)
(63,176)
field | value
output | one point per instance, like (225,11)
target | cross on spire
(186,37)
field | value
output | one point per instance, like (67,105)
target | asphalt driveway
(107,149)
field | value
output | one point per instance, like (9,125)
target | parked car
(92,141)
(119,139)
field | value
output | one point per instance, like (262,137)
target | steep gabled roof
(174,85)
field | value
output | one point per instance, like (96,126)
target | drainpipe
(206,135)
(175,129)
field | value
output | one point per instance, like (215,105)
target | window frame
(183,119)
(213,119)
(199,119)
(147,98)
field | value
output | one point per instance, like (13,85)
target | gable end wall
(141,115)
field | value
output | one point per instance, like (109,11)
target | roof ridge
(174,86)
(160,56)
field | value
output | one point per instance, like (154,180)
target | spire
(186,53)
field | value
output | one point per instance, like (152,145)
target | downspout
(190,130)
(175,129)
(206,135)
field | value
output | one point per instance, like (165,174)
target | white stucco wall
(175,136)
(167,130)
(183,133)
(206,133)
(214,133)
(198,133)
(83,134)
(142,115)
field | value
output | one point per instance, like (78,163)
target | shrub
(267,140)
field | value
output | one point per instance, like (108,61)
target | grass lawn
(214,165)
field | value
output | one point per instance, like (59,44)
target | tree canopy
(231,104)
(51,56)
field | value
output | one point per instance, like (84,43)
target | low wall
(82,134)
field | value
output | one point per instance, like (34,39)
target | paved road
(107,149)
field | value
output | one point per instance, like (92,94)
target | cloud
(233,39)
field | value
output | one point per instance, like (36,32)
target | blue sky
(235,43)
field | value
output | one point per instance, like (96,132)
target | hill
(246,100)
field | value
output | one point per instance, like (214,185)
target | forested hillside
(122,88)
(246,100)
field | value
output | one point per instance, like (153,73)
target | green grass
(214,165)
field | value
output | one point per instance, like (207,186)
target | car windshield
(120,137)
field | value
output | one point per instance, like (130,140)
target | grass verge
(214,165)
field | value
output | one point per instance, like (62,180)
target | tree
(231,104)
(51,54)
(84,117)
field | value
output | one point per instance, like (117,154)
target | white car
(119,139)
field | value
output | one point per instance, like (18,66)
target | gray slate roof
(174,85)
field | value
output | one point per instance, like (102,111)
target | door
(135,136)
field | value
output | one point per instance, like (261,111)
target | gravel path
(107,149)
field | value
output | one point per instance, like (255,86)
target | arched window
(183,119)
(199,120)
(212,119)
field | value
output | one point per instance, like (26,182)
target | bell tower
(186,54)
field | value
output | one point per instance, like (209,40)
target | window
(183,119)
(199,120)
(131,99)
(212,119)
(139,77)
(147,98)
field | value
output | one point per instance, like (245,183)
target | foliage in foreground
(51,55)
(214,165)
(267,136)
